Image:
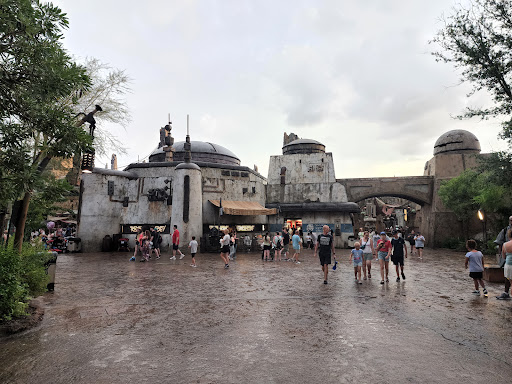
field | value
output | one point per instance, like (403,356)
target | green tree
(37,75)
(477,40)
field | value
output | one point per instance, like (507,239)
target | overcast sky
(355,75)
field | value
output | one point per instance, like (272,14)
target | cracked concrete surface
(114,321)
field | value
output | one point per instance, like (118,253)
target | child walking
(193,250)
(475,260)
(356,256)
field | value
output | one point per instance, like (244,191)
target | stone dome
(303,146)
(457,141)
(201,151)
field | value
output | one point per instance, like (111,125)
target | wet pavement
(114,321)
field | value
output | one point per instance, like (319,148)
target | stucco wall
(302,168)
(231,187)
(101,214)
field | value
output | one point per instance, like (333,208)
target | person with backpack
(277,243)
(156,239)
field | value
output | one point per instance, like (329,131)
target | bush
(455,243)
(22,276)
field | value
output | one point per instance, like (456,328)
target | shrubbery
(459,244)
(22,276)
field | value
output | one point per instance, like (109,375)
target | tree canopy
(477,40)
(37,76)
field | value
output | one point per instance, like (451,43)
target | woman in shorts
(367,247)
(266,247)
(419,244)
(224,248)
(383,251)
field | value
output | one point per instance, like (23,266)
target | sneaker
(369,275)
(397,279)
(382,281)
(403,276)
(132,258)
(173,258)
(325,281)
(485,292)
(503,296)
(193,265)
(476,292)
(226,266)
(360,282)
(230,258)
(387,280)
(157,257)
(297,262)
(182,256)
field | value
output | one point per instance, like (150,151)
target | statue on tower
(167,141)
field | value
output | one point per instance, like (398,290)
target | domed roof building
(201,151)
(457,141)
(196,185)
(303,146)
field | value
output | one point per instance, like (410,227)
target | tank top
(366,246)
(509,258)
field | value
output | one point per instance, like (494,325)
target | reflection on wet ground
(115,321)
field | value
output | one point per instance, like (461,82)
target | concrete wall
(302,168)
(101,214)
(217,185)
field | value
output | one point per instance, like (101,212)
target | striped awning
(243,208)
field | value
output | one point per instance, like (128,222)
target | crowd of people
(370,246)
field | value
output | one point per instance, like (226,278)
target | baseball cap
(383,233)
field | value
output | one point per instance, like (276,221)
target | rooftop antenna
(187,145)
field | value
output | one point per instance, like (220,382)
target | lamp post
(481,217)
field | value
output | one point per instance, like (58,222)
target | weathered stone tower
(187,205)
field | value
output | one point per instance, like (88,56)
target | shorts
(286,248)
(368,256)
(358,264)
(382,256)
(324,259)
(476,275)
(418,247)
(266,247)
(192,255)
(224,249)
(507,271)
(297,251)
(156,245)
(175,247)
(397,260)
(136,242)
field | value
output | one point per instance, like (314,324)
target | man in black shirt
(286,243)
(326,243)
(397,248)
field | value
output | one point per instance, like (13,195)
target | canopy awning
(243,208)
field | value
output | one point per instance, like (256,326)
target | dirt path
(114,321)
